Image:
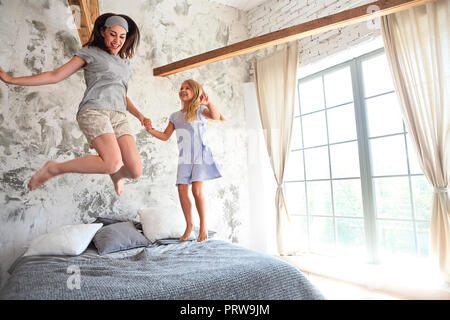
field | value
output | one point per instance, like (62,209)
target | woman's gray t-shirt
(106,77)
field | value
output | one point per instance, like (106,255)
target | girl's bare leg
(132,164)
(108,161)
(183,192)
(197,191)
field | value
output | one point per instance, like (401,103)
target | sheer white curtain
(275,78)
(417,43)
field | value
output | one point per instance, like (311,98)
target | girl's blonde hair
(195,103)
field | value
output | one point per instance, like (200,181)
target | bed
(166,269)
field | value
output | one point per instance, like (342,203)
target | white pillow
(162,223)
(69,240)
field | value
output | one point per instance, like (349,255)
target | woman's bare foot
(187,233)
(202,234)
(118,184)
(42,175)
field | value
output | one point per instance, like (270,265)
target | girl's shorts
(94,123)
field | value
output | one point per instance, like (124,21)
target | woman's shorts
(94,123)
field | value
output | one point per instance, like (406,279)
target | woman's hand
(6,78)
(147,123)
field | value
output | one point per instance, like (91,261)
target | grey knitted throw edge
(210,270)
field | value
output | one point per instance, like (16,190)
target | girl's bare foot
(187,233)
(42,175)
(118,184)
(202,235)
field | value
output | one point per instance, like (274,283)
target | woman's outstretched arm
(49,77)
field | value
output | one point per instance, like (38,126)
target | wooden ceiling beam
(334,21)
(88,13)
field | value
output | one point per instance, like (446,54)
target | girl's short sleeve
(172,118)
(200,115)
(85,54)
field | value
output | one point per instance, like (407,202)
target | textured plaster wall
(38,123)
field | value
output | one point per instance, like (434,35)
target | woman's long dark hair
(131,43)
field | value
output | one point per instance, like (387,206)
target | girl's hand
(4,76)
(204,99)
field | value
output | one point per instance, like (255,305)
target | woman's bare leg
(183,192)
(197,192)
(132,163)
(108,161)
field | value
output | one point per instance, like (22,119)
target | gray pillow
(119,236)
(106,220)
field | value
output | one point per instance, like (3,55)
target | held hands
(147,123)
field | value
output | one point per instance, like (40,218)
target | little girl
(101,114)
(195,163)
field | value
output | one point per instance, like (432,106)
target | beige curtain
(417,43)
(275,77)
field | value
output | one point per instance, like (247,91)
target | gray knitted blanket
(210,270)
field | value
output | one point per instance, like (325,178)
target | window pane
(315,129)
(347,198)
(414,166)
(341,123)
(338,87)
(296,105)
(422,194)
(294,167)
(423,238)
(317,164)
(296,137)
(322,235)
(392,197)
(295,197)
(311,95)
(299,234)
(384,115)
(319,198)
(376,76)
(388,156)
(350,235)
(344,160)
(396,237)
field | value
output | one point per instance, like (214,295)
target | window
(353,185)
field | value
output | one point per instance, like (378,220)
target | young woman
(102,112)
(195,161)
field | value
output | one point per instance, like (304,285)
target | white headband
(116,21)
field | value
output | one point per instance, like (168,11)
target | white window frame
(366,178)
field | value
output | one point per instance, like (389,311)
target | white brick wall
(274,15)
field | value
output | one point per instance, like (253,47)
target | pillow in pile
(162,223)
(119,236)
(110,219)
(67,240)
